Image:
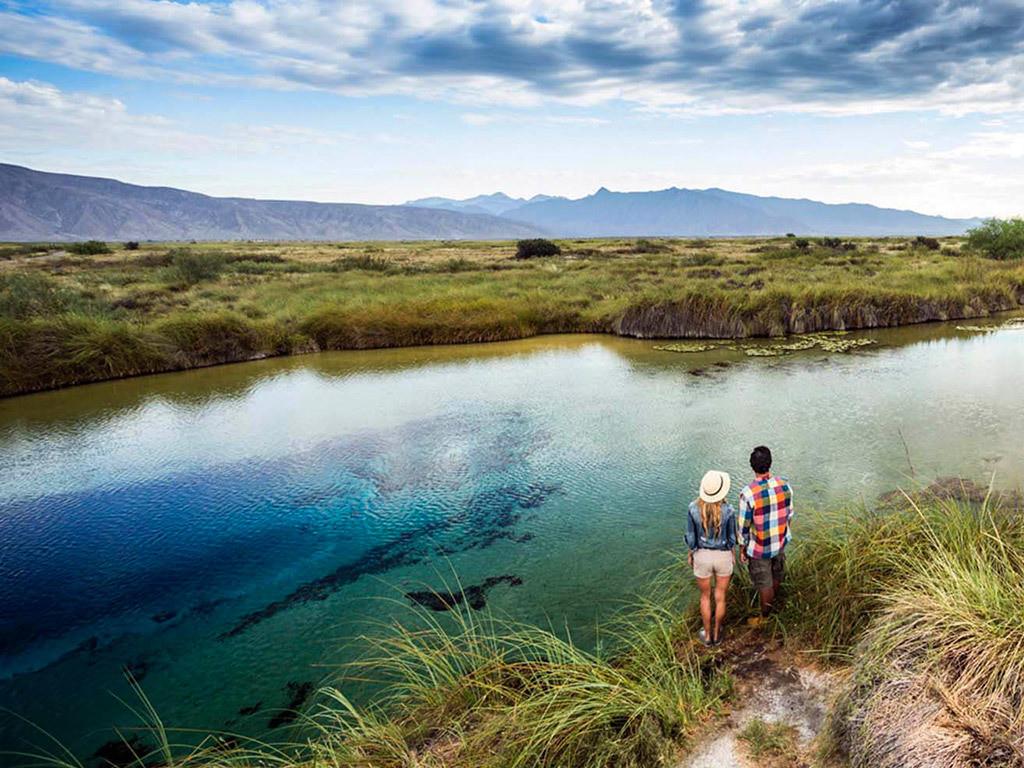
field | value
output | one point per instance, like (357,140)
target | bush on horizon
(529,249)
(1000,239)
(191,267)
(88,248)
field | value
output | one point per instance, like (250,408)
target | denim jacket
(698,538)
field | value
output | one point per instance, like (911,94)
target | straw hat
(714,486)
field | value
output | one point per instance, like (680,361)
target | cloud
(36,115)
(491,118)
(686,57)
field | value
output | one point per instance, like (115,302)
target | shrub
(802,243)
(24,249)
(790,234)
(830,242)
(131,245)
(72,349)
(88,248)
(215,338)
(998,238)
(32,295)
(926,242)
(366,262)
(644,245)
(529,249)
(191,267)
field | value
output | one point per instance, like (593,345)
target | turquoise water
(225,533)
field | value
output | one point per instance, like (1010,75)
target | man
(766,509)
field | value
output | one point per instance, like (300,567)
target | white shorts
(712,562)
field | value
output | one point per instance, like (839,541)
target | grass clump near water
(487,693)
(298,297)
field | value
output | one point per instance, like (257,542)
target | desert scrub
(88,248)
(33,294)
(998,239)
(190,267)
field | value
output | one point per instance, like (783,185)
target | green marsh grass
(361,295)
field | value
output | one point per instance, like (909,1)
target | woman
(711,536)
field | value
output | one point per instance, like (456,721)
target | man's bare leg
(767,598)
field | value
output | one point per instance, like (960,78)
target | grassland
(71,318)
(919,599)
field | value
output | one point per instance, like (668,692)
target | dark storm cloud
(817,52)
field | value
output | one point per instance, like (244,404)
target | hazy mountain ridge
(718,212)
(496,204)
(35,205)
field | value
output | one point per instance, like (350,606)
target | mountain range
(40,206)
(705,213)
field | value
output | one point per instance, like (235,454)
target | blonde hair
(710,516)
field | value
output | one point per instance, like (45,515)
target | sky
(903,103)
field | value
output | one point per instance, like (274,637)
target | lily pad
(686,346)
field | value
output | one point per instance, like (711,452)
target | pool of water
(224,534)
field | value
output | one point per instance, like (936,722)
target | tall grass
(938,671)
(485,692)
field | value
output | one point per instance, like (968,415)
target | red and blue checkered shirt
(766,507)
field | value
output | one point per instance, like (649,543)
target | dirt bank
(695,319)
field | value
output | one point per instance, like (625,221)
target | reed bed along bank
(920,598)
(72,318)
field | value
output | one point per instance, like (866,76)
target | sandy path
(772,685)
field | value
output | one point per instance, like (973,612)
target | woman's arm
(692,534)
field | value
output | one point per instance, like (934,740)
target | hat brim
(721,493)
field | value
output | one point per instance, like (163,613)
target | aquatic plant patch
(686,346)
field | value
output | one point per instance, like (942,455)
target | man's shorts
(765,571)
(712,562)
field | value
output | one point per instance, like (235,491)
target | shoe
(719,640)
(703,637)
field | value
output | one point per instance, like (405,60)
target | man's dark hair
(761,459)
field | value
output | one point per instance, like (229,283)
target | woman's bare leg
(721,588)
(705,605)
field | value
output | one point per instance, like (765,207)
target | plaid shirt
(766,507)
